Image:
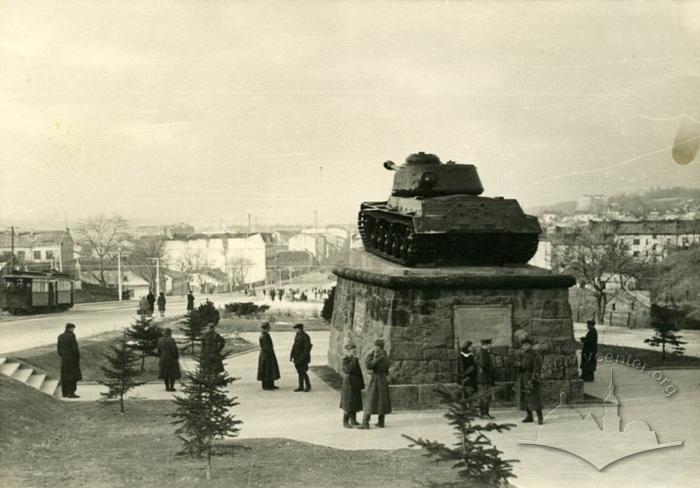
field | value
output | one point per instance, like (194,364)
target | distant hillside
(562,208)
(639,204)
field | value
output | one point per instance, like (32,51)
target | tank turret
(425,175)
(435,217)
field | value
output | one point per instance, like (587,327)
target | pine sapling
(202,414)
(473,455)
(121,371)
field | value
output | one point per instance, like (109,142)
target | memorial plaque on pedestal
(477,322)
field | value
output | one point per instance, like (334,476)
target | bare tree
(238,268)
(595,260)
(101,236)
(142,260)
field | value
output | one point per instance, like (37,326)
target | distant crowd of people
(296,294)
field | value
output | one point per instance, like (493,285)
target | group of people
(475,372)
(296,294)
(147,304)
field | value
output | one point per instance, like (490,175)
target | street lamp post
(119,273)
(157,260)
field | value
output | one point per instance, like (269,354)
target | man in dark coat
(272,295)
(151,299)
(212,346)
(528,385)
(378,399)
(190,302)
(589,351)
(268,369)
(466,368)
(169,363)
(161,304)
(70,362)
(485,377)
(353,384)
(301,357)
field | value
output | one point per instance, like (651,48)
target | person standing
(268,368)
(190,302)
(589,352)
(169,360)
(272,295)
(485,377)
(161,304)
(466,368)
(151,299)
(67,348)
(212,346)
(378,398)
(353,384)
(530,371)
(301,357)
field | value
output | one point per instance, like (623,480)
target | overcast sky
(185,111)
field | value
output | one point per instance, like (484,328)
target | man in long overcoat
(589,351)
(161,304)
(67,347)
(169,363)
(212,346)
(378,400)
(485,377)
(353,384)
(301,357)
(190,302)
(151,302)
(528,385)
(268,368)
(466,368)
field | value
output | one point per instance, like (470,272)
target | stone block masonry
(423,315)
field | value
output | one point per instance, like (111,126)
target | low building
(50,249)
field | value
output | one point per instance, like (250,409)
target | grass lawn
(242,324)
(47,443)
(651,358)
(91,356)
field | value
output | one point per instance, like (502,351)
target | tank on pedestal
(435,217)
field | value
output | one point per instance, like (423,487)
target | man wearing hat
(268,368)
(353,384)
(528,385)
(485,377)
(378,399)
(589,351)
(301,357)
(70,362)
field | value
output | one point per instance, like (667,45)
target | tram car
(31,292)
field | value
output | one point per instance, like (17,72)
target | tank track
(392,237)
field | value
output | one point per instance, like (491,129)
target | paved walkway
(622,336)
(315,417)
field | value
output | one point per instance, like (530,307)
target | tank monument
(443,265)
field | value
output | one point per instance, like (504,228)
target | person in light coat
(378,399)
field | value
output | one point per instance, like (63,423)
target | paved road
(22,332)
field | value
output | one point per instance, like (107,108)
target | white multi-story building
(651,239)
(240,256)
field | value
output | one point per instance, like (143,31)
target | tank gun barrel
(390,165)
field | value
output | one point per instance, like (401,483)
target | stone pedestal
(423,314)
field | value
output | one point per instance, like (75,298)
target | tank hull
(458,230)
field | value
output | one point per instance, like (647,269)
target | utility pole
(157,277)
(119,273)
(250,224)
(12,248)
(315,221)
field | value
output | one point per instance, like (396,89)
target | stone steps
(30,376)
